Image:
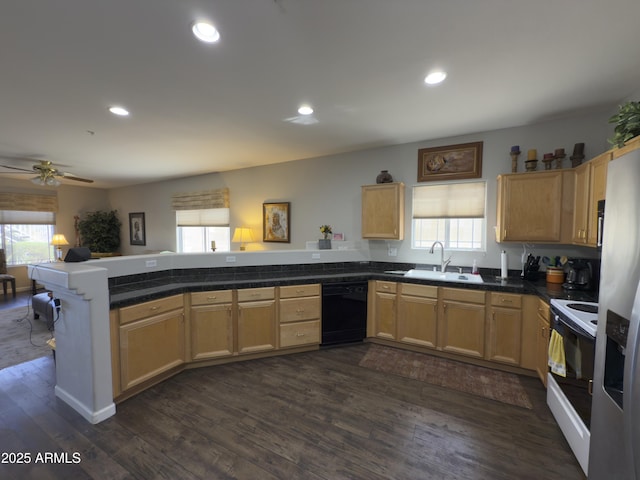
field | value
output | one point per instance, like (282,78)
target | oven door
(579,348)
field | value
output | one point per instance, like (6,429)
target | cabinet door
(256,326)
(530,207)
(505,330)
(385,315)
(211,331)
(542,342)
(581,204)
(417,320)
(151,346)
(383,211)
(462,328)
(597,187)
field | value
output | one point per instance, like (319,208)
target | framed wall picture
(451,162)
(137,235)
(276,222)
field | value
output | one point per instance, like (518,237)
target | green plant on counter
(100,231)
(627,122)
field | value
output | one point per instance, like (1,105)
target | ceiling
(199,108)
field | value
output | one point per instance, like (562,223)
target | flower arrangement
(325,230)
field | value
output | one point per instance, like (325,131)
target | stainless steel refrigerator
(614,451)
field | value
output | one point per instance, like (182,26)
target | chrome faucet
(443,263)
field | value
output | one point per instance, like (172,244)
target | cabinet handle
(590,389)
(504,300)
(299,334)
(153,309)
(444,306)
(300,311)
(386,287)
(212,297)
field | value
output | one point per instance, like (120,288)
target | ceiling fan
(47,173)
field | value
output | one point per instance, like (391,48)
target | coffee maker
(581,274)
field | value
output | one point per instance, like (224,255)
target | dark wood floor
(21,299)
(307,416)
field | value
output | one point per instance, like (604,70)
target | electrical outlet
(231,259)
(56,304)
(315,256)
(151,263)
(393,251)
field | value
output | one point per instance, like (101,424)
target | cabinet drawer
(429,291)
(388,287)
(293,291)
(211,297)
(543,310)
(252,294)
(506,300)
(463,295)
(296,309)
(303,333)
(148,309)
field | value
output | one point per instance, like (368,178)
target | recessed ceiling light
(435,77)
(305,110)
(205,32)
(123,112)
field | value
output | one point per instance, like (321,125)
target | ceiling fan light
(52,182)
(38,181)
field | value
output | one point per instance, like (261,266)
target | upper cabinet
(383,211)
(535,207)
(591,183)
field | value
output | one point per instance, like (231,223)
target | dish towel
(556,354)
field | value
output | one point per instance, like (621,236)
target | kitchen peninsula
(89,291)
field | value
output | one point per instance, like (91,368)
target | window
(453,214)
(26,243)
(196,229)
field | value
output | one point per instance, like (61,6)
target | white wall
(327,190)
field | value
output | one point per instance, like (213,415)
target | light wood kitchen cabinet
(385,310)
(535,207)
(504,332)
(542,340)
(418,315)
(152,339)
(383,211)
(299,315)
(590,186)
(461,321)
(256,320)
(597,190)
(581,204)
(211,322)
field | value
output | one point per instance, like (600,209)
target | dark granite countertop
(144,287)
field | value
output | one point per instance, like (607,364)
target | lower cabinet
(418,315)
(462,321)
(151,339)
(256,320)
(542,341)
(211,322)
(385,310)
(299,315)
(504,332)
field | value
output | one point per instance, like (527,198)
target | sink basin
(444,277)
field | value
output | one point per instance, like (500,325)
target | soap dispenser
(474,268)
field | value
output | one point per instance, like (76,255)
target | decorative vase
(324,244)
(384,177)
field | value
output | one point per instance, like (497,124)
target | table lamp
(242,235)
(58,240)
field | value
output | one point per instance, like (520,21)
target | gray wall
(327,190)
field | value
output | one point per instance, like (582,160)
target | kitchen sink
(443,276)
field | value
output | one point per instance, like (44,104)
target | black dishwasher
(344,312)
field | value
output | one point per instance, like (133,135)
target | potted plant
(325,242)
(627,122)
(100,232)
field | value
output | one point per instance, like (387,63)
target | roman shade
(451,200)
(208,199)
(208,208)
(26,209)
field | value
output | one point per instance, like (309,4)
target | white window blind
(209,199)
(452,200)
(210,217)
(18,217)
